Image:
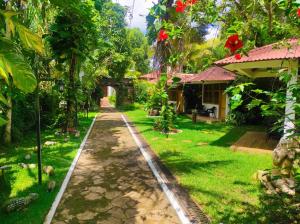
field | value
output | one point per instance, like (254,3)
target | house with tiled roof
(201,91)
(265,62)
(204,91)
(152,77)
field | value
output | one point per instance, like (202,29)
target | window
(172,95)
(211,94)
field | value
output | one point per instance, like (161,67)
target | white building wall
(209,106)
(110,91)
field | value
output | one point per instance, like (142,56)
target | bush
(112,99)
(142,91)
(23,115)
(166,121)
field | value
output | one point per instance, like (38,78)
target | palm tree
(14,68)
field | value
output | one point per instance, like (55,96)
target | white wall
(208,106)
(111,91)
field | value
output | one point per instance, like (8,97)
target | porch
(206,119)
(204,92)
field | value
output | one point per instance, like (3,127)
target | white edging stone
(64,185)
(170,195)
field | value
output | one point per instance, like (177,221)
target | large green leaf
(8,13)
(8,17)
(29,39)
(12,62)
(3,71)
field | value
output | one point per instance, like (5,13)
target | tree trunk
(8,127)
(71,97)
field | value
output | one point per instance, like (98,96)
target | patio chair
(202,110)
(212,111)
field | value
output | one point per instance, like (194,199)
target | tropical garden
(56,58)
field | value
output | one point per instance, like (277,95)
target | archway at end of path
(108,96)
(118,91)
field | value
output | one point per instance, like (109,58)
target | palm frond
(3,100)
(13,63)
(29,39)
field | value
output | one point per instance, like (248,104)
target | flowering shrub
(162,35)
(180,6)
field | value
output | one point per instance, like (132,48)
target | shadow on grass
(271,209)
(233,135)
(20,182)
(182,165)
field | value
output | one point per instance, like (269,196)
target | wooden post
(290,116)
(202,93)
(8,127)
(38,129)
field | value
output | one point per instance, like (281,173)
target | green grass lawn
(219,179)
(20,182)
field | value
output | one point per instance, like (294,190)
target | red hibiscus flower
(180,6)
(298,12)
(191,2)
(238,57)
(233,43)
(162,35)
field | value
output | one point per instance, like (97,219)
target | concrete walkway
(112,183)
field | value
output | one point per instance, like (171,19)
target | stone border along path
(160,179)
(112,183)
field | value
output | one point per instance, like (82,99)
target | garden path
(112,182)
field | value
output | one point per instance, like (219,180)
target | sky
(141,10)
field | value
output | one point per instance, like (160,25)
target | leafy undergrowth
(20,182)
(220,180)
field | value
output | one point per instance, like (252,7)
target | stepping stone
(207,132)
(86,216)
(169,139)
(112,194)
(202,143)
(130,213)
(50,143)
(187,141)
(92,196)
(99,190)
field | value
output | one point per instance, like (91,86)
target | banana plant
(14,68)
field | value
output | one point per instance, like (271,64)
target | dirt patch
(255,142)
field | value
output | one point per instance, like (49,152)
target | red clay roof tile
(274,51)
(213,74)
